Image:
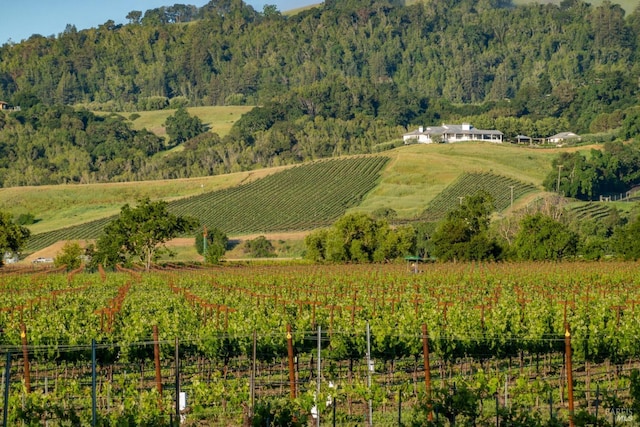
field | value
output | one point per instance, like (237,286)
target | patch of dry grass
(218,119)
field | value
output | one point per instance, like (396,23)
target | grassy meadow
(218,119)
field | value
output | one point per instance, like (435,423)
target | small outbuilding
(523,139)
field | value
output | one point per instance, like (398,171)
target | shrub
(178,102)
(26,219)
(153,103)
(217,242)
(260,247)
(69,256)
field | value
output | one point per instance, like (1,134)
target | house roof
(564,135)
(453,129)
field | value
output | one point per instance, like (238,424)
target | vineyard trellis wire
(218,390)
(487,323)
(303,197)
(591,210)
(503,189)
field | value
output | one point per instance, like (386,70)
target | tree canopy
(358,237)
(463,234)
(69,256)
(212,244)
(12,236)
(626,240)
(182,126)
(140,232)
(613,170)
(333,79)
(260,247)
(543,238)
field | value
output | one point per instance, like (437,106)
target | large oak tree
(141,233)
(12,235)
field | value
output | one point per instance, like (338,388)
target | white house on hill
(561,137)
(451,133)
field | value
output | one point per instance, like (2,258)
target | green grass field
(297,10)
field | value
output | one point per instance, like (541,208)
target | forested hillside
(340,78)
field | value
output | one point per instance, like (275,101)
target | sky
(20,19)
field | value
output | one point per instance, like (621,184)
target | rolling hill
(300,198)
(303,197)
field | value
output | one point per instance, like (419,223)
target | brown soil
(53,250)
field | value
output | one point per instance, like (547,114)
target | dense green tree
(134,16)
(612,170)
(360,238)
(315,245)
(631,124)
(463,234)
(595,233)
(141,232)
(109,251)
(260,247)
(423,232)
(69,256)
(182,126)
(543,238)
(216,244)
(12,236)
(379,41)
(626,240)
(394,243)
(331,80)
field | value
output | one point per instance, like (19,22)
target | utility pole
(567,343)
(318,377)
(461,199)
(558,183)
(369,370)
(511,187)
(204,242)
